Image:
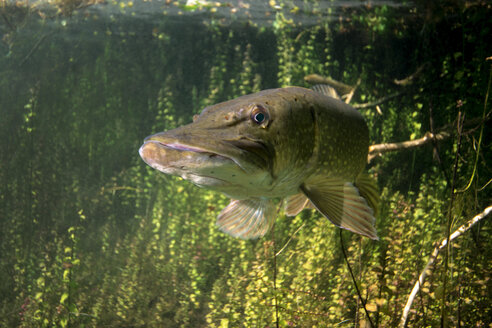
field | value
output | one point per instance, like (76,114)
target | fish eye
(259,115)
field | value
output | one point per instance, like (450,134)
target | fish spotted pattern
(291,143)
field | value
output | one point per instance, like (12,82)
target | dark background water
(90,236)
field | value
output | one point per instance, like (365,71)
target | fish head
(238,147)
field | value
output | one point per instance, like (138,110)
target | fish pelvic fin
(368,190)
(294,204)
(341,203)
(247,218)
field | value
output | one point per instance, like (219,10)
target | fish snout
(150,152)
(155,137)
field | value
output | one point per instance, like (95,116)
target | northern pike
(289,143)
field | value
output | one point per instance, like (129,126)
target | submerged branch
(376,150)
(33,49)
(409,80)
(377,102)
(446,132)
(351,93)
(461,230)
(288,241)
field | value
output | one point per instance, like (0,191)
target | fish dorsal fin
(325,90)
(342,204)
(368,190)
(294,204)
(247,218)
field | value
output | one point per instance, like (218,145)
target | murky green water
(90,236)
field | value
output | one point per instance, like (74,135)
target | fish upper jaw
(164,141)
(171,157)
(249,155)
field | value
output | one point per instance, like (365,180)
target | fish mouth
(163,149)
(185,148)
(160,154)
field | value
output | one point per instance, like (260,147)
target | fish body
(291,143)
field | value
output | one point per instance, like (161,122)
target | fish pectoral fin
(294,204)
(247,218)
(342,204)
(368,190)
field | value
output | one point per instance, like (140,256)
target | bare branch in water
(461,230)
(377,102)
(351,93)
(409,80)
(446,132)
(376,150)
(33,49)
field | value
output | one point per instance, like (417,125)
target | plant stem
(355,282)
(449,220)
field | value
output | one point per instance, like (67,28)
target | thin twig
(485,186)
(458,232)
(36,45)
(459,128)
(277,322)
(359,299)
(6,20)
(481,134)
(409,80)
(355,282)
(436,146)
(351,93)
(377,102)
(288,241)
(471,124)
(275,278)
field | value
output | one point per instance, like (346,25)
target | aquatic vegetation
(90,236)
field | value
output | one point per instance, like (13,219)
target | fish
(294,144)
